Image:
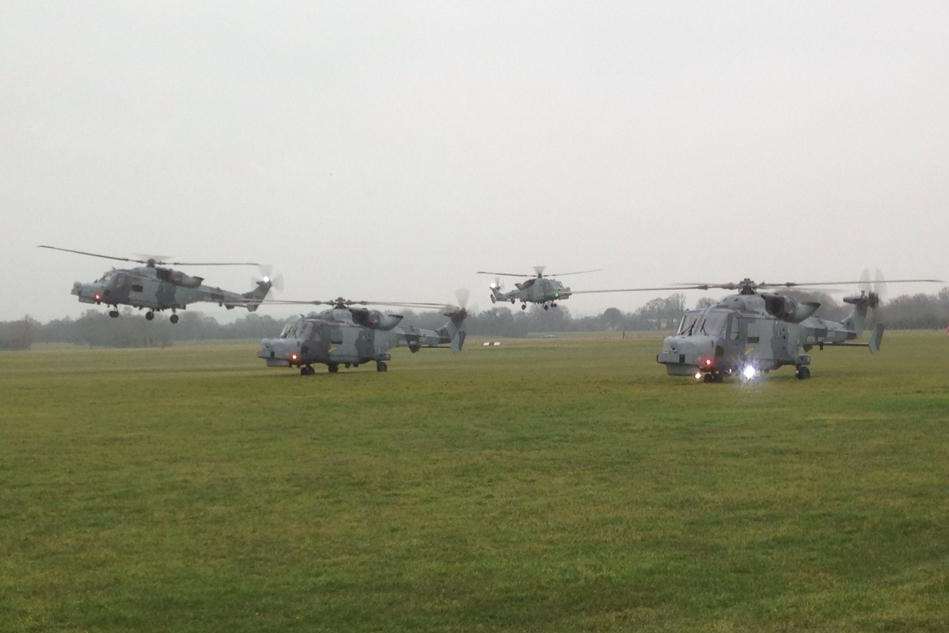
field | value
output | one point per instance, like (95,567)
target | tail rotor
(455,329)
(267,277)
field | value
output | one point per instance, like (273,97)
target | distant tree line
(95,328)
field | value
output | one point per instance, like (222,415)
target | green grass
(545,485)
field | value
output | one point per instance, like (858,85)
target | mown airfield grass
(543,485)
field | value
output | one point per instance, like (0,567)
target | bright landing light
(749,372)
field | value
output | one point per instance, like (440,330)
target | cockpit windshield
(688,320)
(712,323)
(290,329)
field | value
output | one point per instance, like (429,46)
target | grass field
(545,485)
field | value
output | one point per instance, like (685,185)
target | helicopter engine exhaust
(788,308)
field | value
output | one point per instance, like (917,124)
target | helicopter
(350,334)
(540,288)
(752,333)
(156,287)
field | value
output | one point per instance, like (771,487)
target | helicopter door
(733,335)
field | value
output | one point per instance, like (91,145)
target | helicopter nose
(682,354)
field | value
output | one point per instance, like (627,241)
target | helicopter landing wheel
(546,307)
(523,306)
(803,373)
(149,315)
(173,318)
(114,314)
(381,366)
(333,368)
(307,370)
(553,305)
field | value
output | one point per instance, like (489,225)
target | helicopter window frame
(686,325)
(717,319)
(289,330)
(733,327)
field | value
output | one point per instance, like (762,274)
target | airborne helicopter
(753,332)
(157,288)
(350,335)
(540,288)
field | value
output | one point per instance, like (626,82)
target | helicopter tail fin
(497,293)
(877,337)
(862,303)
(257,295)
(453,332)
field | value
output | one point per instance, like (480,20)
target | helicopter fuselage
(543,290)
(742,335)
(157,288)
(351,337)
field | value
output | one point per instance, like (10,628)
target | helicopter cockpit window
(712,323)
(289,330)
(734,327)
(688,322)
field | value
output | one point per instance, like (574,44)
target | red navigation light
(98,296)
(294,356)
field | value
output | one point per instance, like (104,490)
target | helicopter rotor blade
(792,284)
(485,272)
(150,259)
(163,263)
(879,286)
(354,302)
(589,292)
(575,272)
(69,250)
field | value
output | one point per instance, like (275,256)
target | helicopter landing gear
(802,373)
(307,370)
(333,368)
(546,307)
(173,318)
(149,315)
(553,305)
(114,314)
(381,366)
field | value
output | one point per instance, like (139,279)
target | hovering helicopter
(350,335)
(753,332)
(540,288)
(157,288)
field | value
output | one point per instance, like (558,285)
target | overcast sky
(390,150)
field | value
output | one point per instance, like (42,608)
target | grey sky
(389,150)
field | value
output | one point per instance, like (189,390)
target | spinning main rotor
(151,262)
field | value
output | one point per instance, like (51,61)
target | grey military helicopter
(351,334)
(752,332)
(541,288)
(156,287)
